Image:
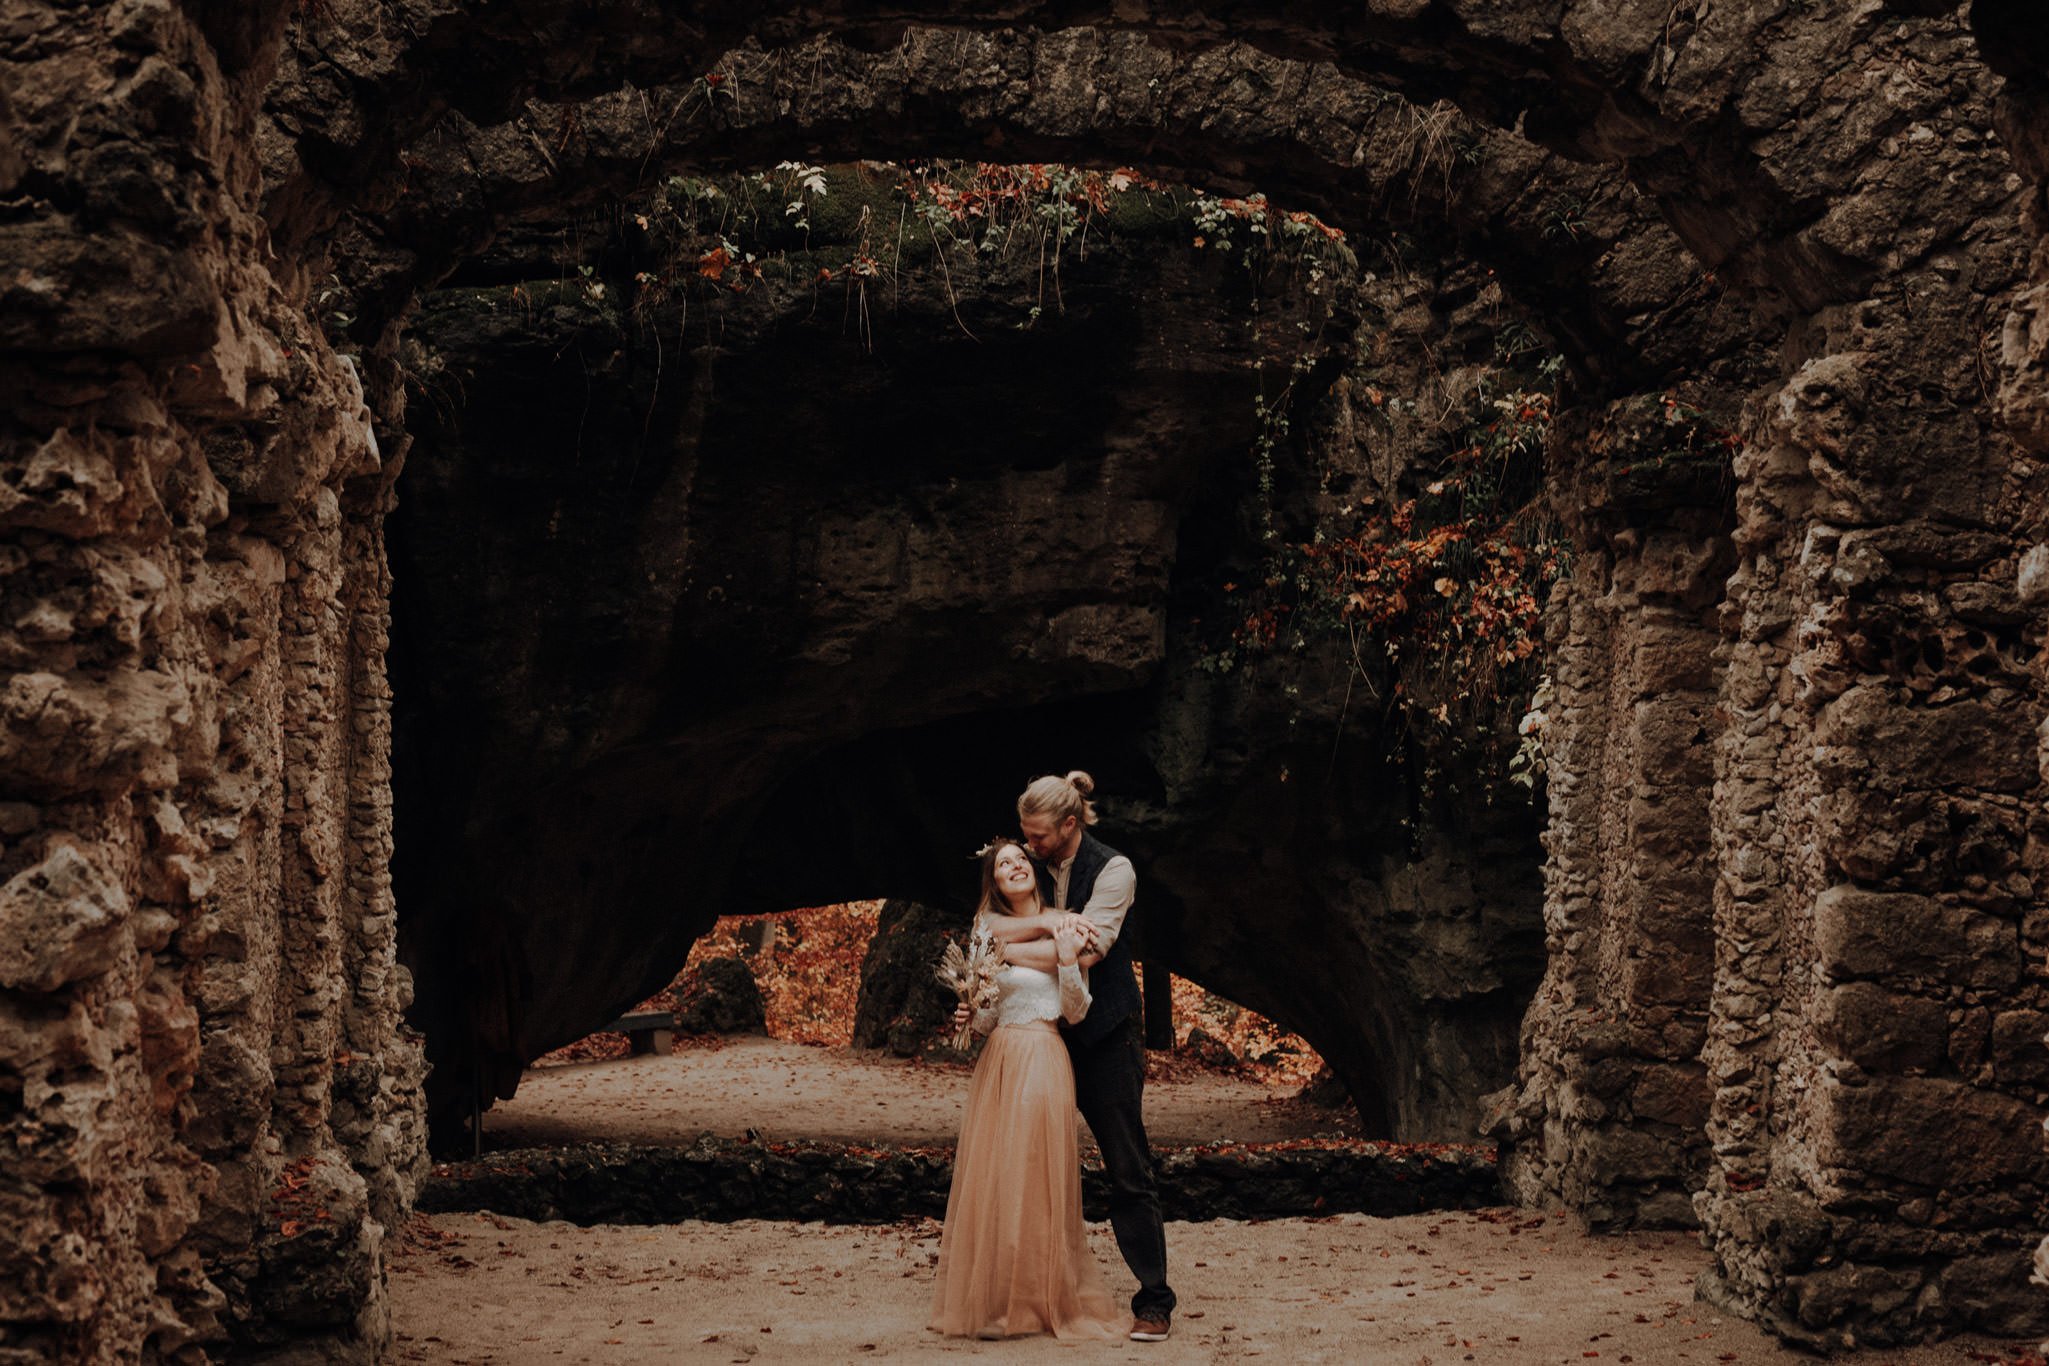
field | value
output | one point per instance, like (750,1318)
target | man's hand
(1044,954)
(1026,940)
(1081,925)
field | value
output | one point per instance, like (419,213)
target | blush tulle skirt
(1014,1256)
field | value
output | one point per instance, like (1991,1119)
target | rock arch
(1641,294)
(196,735)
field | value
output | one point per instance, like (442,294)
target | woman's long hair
(993,901)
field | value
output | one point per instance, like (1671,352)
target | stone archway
(1396,163)
(462,181)
(859,601)
(199,828)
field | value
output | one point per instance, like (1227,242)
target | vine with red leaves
(856,225)
(1439,596)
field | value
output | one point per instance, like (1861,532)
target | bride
(1014,1257)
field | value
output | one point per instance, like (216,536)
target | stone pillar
(1879,810)
(2009,42)
(108,720)
(1607,1112)
(377,1100)
(1877,816)
(194,936)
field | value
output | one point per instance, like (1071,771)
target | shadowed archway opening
(1480,244)
(878,547)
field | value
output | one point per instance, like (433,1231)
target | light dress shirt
(1116,888)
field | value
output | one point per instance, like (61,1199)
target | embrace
(1064,1031)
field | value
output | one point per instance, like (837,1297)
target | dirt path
(785,1090)
(1495,1286)
(1502,1286)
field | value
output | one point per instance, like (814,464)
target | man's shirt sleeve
(1110,899)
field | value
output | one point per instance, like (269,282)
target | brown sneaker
(1151,1328)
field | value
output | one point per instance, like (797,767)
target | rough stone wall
(191,645)
(1608,1112)
(1871,1078)
(2012,43)
(1876,799)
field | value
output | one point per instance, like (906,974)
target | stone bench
(646,1031)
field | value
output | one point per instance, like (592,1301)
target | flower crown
(994,844)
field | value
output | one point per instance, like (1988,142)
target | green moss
(528,295)
(518,305)
(1008,220)
(1150,213)
(835,216)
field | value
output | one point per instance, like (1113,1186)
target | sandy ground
(786,1091)
(1493,1286)
(1500,1286)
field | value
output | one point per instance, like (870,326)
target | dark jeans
(1109,1086)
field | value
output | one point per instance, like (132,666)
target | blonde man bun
(1060,796)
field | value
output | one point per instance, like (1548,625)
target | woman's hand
(1067,943)
(961,1016)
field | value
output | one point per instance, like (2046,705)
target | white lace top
(1026,995)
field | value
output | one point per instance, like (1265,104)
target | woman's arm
(1074,988)
(1016,929)
(1040,954)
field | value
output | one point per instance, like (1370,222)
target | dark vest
(1112,983)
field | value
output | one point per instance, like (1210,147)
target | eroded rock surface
(207,1094)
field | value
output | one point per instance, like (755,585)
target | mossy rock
(902,1007)
(720,996)
(1207,1049)
(1150,213)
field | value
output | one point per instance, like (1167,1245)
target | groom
(1077,870)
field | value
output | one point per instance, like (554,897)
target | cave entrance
(753,523)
